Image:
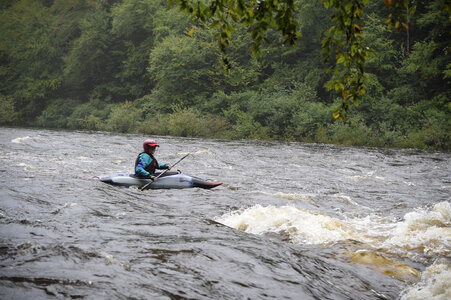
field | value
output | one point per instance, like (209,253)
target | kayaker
(146,164)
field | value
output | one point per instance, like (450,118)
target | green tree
(29,56)
(133,29)
(182,70)
(343,45)
(89,65)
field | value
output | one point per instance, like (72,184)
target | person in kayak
(146,164)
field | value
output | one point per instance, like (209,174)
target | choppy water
(292,221)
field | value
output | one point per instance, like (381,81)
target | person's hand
(153,178)
(169,167)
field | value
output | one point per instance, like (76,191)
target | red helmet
(149,143)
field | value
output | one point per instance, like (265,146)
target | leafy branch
(344,47)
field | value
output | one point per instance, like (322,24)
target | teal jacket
(146,165)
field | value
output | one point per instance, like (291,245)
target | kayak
(169,180)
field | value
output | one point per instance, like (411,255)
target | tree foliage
(30,57)
(344,45)
(143,65)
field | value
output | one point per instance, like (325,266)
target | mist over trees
(144,66)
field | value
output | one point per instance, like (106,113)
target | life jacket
(152,166)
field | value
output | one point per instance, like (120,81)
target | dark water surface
(291,221)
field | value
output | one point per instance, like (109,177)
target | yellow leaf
(336,115)
(405,26)
(356,28)
(191,32)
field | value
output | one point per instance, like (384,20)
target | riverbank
(126,118)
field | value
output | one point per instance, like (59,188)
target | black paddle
(147,185)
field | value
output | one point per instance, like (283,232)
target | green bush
(8,114)
(276,109)
(220,101)
(90,115)
(185,122)
(155,124)
(124,117)
(389,136)
(243,125)
(92,122)
(352,132)
(320,136)
(56,114)
(310,118)
(437,128)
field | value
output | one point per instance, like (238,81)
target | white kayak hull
(171,181)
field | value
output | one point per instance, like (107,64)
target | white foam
(25,166)
(118,161)
(298,166)
(83,158)
(110,259)
(66,205)
(426,230)
(202,152)
(20,140)
(292,196)
(423,230)
(301,225)
(435,283)
(350,201)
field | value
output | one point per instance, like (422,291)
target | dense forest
(144,66)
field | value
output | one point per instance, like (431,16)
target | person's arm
(164,166)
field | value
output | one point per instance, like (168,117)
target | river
(291,221)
